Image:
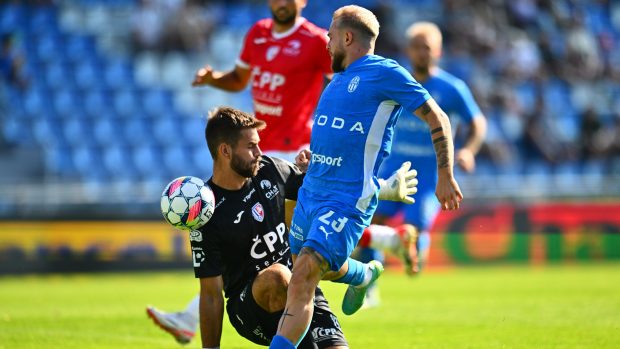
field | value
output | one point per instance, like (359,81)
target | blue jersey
(412,142)
(412,139)
(353,130)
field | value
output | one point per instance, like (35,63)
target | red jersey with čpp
(287,80)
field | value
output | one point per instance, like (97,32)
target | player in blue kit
(412,143)
(352,133)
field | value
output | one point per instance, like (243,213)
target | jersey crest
(257,212)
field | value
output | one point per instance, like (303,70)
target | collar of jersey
(279,36)
(359,61)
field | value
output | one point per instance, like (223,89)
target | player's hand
(448,192)
(302,160)
(203,76)
(465,160)
(401,185)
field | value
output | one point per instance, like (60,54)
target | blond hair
(428,29)
(359,19)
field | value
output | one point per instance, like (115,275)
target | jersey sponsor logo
(257,212)
(265,78)
(258,331)
(272,52)
(293,48)
(296,232)
(268,240)
(198,256)
(195,235)
(268,109)
(271,191)
(338,123)
(247,197)
(327,160)
(220,202)
(322,333)
(236,221)
(259,41)
(353,84)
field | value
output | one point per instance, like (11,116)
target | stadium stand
(100,109)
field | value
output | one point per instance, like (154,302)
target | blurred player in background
(412,143)
(338,197)
(285,62)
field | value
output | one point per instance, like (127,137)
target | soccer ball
(187,203)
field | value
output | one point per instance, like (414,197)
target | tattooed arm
(448,192)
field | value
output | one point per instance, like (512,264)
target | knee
(307,272)
(270,287)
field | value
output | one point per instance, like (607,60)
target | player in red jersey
(284,59)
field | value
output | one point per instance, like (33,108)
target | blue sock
(356,273)
(280,342)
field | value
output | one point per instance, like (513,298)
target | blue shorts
(326,227)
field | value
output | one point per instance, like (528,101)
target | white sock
(367,277)
(383,237)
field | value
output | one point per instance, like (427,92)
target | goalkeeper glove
(400,186)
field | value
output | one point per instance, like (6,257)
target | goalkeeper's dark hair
(224,125)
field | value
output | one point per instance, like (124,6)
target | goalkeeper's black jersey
(247,232)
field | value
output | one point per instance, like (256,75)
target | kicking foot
(354,297)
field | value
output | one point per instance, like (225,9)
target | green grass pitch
(563,306)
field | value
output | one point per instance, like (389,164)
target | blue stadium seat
(148,161)
(166,131)
(194,131)
(118,162)
(89,162)
(12,17)
(177,160)
(36,101)
(137,130)
(48,131)
(50,47)
(106,130)
(68,102)
(78,131)
(59,75)
(59,160)
(43,19)
(202,161)
(18,130)
(118,73)
(97,102)
(157,102)
(126,102)
(87,74)
(79,48)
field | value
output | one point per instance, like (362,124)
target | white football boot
(181,326)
